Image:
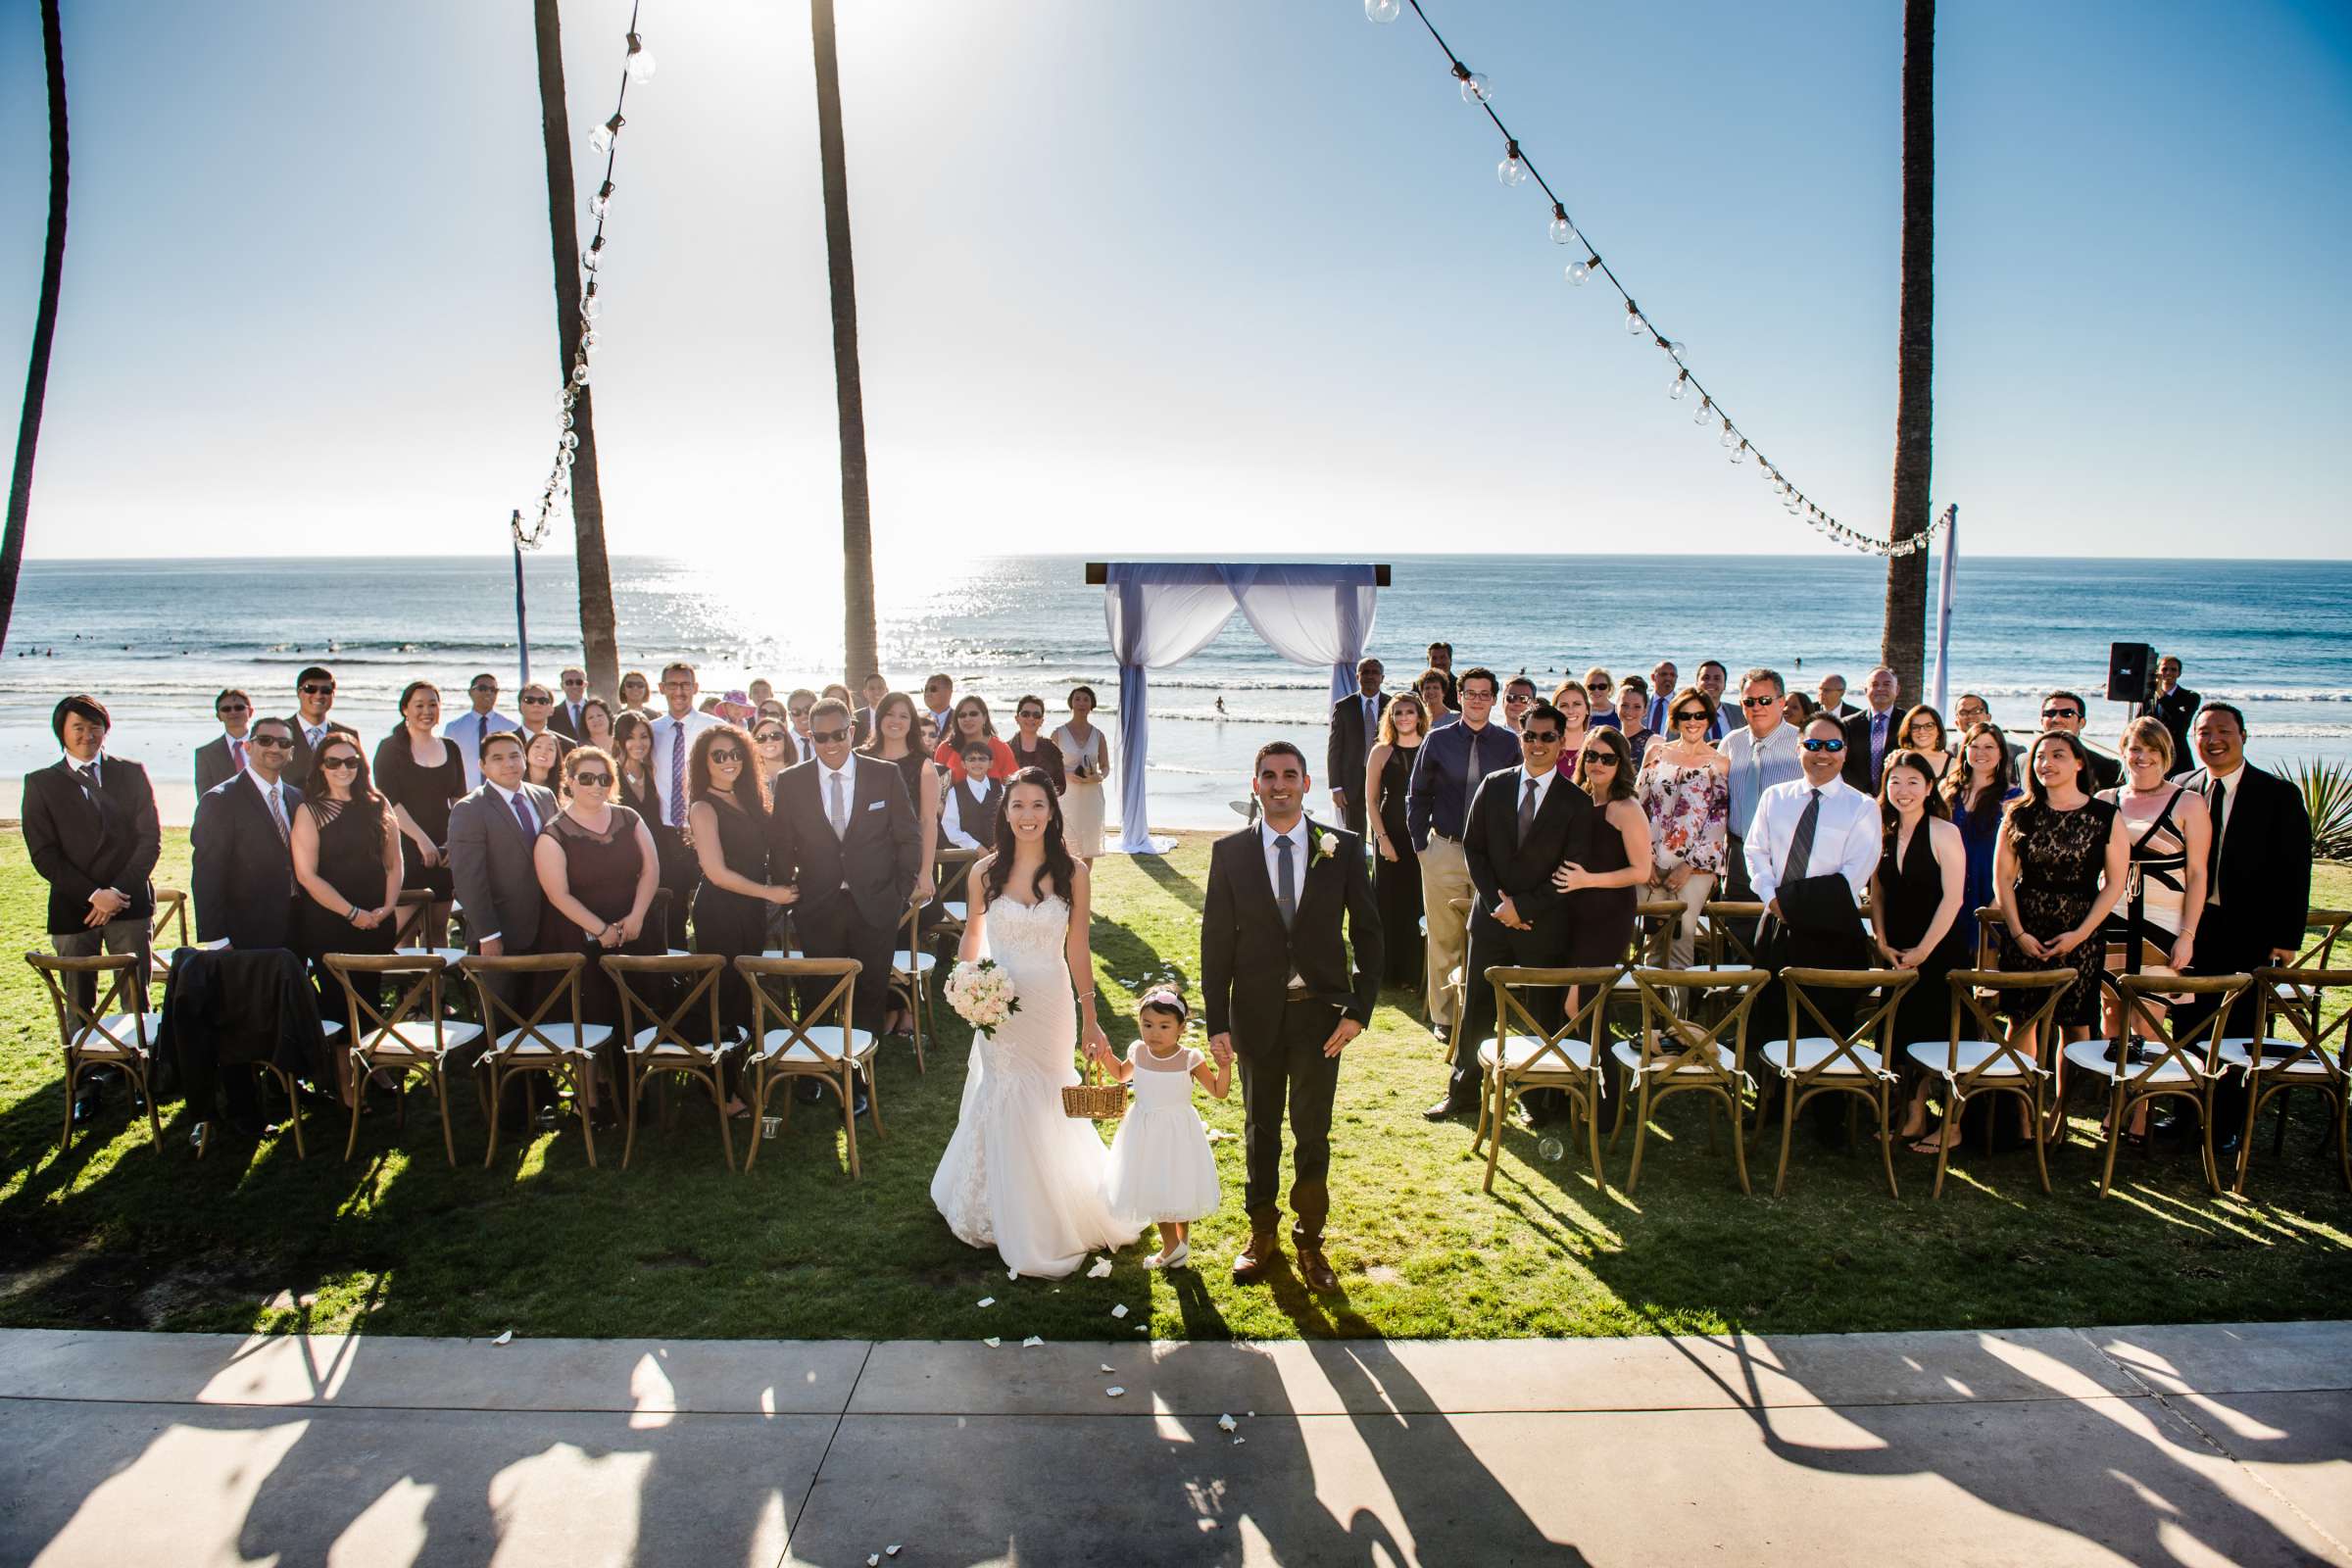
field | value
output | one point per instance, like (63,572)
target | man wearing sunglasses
(673,742)
(470,729)
(223,757)
(243,875)
(1765,752)
(2064,711)
(314,698)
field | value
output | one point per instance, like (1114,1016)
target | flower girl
(1162,1170)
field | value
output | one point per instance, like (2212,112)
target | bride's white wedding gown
(1019,1175)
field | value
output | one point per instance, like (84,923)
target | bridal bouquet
(982,995)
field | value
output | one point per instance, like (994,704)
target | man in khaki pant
(1445,776)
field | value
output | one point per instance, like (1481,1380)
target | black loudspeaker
(2131,672)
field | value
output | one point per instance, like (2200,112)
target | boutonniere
(1318,847)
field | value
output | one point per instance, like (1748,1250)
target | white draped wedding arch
(1162,614)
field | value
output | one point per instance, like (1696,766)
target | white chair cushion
(2091,1055)
(522,1043)
(1453,976)
(2237,1053)
(779,1045)
(414,1037)
(1938,1056)
(117,1035)
(648,1043)
(1813,1051)
(1628,1054)
(1519,1050)
(449,955)
(923,963)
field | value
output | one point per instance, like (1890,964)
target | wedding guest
(1923,732)
(315,700)
(1577,711)
(92,834)
(1712,680)
(419,775)
(837,692)
(871,691)
(542,759)
(538,703)
(599,868)
(1440,660)
(939,702)
(1978,792)
(636,692)
(737,707)
(596,725)
(1604,891)
(760,691)
(2063,712)
(1808,834)
(1685,790)
(1603,691)
(736,896)
(1354,731)
(347,865)
(1872,733)
(1086,765)
(1662,677)
(1919,921)
(242,881)
(1970,712)
(1798,711)
(640,787)
(796,708)
(846,835)
(708,707)
(2175,705)
(771,740)
(894,742)
(478,725)
(674,732)
(1446,778)
(493,839)
(2257,873)
(2061,865)
(2170,842)
(1764,753)
(221,759)
(566,719)
(1518,696)
(1435,689)
(1633,717)
(1029,748)
(1831,698)
(927,735)
(1397,871)
(968,819)
(972,723)
(1523,826)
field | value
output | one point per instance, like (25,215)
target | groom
(1281,995)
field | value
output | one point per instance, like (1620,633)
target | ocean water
(157,639)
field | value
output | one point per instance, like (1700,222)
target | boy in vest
(969,818)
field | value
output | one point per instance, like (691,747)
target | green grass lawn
(110,1234)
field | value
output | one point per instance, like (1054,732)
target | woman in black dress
(598,869)
(2059,869)
(1607,891)
(1916,895)
(733,901)
(1396,868)
(1032,749)
(421,775)
(894,741)
(346,864)
(640,790)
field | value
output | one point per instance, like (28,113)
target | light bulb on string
(601,203)
(1673,350)
(1704,412)
(1578,272)
(1475,89)
(1739,453)
(590,305)
(593,256)
(1382,11)
(600,138)
(1682,385)
(579,375)
(1563,230)
(1512,171)
(641,65)
(588,343)
(1633,319)
(1730,437)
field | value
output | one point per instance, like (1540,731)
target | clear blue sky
(1223,275)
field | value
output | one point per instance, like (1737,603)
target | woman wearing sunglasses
(1686,790)
(727,812)
(599,868)
(1030,749)
(972,722)
(1609,887)
(347,863)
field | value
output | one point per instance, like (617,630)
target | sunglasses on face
(726,759)
(769,737)
(1759,702)
(572,683)
(1598,685)
(592,781)
(2062,713)
(1037,713)
(1825,745)
(537,701)
(314,689)
(1543,737)
(1599,760)
(272,741)
(828,737)
(341,765)
(233,707)
(1686,716)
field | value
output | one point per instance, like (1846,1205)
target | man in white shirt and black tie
(1354,728)
(673,743)
(469,729)
(565,720)
(315,700)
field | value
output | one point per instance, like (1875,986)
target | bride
(1019,1174)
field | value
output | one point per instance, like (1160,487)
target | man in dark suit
(844,830)
(91,832)
(1524,825)
(2064,711)
(1354,731)
(872,690)
(223,757)
(2257,881)
(1280,995)
(243,880)
(314,698)
(2175,705)
(538,707)
(1873,733)
(566,719)
(492,834)
(1830,695)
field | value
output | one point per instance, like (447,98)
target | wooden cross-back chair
(667,1043)
(167,932)
(2277,1065)
(911,970)
(1525,1054)
(527,1044)
(412,1036)
(1982,1056)
(950,904)
(2179,1061)
(1840,1059)
(2322,929)
(110,1031)
(785,1047)
(1678,1053)
(1988,938)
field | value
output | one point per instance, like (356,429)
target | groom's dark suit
(1505,865)
(1248,959)
(855,885)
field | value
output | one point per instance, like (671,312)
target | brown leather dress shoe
(1249,1265)
(1316,1269)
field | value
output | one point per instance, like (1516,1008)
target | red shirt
(949,755)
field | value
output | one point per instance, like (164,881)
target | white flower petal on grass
(1106,1366)
(1032,1342)
(1237,1441)
(1119,1310)
(992,1341)
(873,1559)
(988,1301)
(1114,1390)
(1100,1270)
(507,1338)
(1012,1273)
(1226,1423)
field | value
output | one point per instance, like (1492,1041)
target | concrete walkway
(2199,1445)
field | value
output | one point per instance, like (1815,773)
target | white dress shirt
(1846,836)
(1542,782)
(951,821)
(275,792)
(468,730)
(666,728)
(511,797)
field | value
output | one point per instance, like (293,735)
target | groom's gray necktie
(1286,880)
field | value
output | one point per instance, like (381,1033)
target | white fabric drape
(1164,612)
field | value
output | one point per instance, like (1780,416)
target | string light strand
(1516,168)
(637,66)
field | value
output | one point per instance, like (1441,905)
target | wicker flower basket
(1094,1102)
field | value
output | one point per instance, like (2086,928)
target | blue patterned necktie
(1286,880)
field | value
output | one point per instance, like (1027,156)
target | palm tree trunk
(1902,645)
(598,637)
(859,657)
(44,322)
